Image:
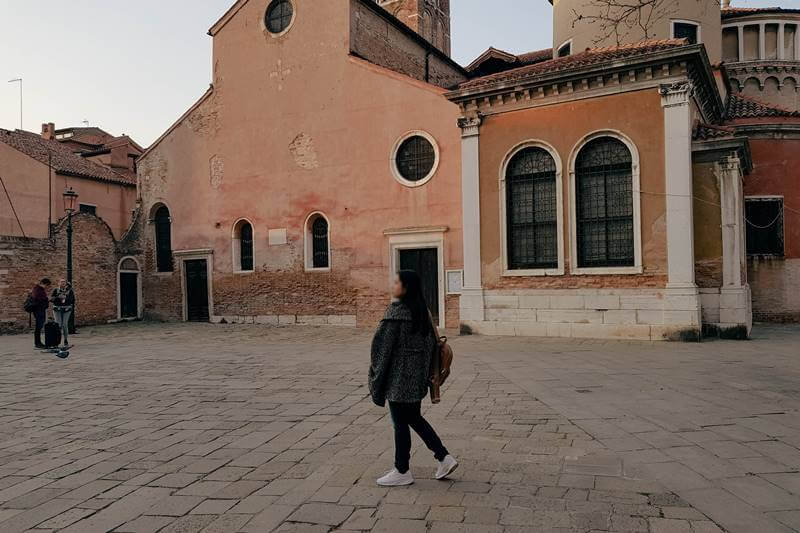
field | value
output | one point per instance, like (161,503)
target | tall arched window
(531,210)
(243,250)
(318,255)
(163,236)
(604,205)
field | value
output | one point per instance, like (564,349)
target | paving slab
(185,428)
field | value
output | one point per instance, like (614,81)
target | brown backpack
(441,362)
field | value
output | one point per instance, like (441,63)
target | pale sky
(135,67)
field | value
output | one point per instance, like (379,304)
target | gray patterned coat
(401,359)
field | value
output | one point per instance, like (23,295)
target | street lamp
(70,197)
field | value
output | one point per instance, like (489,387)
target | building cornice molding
(600,79)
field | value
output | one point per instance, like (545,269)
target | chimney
(49,131)
(726,4)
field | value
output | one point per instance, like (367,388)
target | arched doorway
(129,289)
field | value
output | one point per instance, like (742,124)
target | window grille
(246,247)
(764,226)
(604,204)
(163,227)
(532,211)
(415,158)
(320,244)
(279,15)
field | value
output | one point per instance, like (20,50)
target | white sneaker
(396,479)
(446,467)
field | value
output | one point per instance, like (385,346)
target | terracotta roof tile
(704,132)
(589,57)
(740,107)
(63,160)
(733,12)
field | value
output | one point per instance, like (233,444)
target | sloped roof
(510,60)
(734,12)
(61,157)
(704,132)
(589,57)
(743,107)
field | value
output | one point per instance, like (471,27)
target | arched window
(163,234)
(318,251)
(243,250)
(604,205)
(531,210)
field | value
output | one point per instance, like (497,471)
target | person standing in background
(63,299)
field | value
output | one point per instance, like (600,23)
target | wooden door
(425,262)
(129,294)
(197,290)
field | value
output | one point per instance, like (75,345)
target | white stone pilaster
(762,41)
(735,307)
(682,299)
(472,302)
(781,44)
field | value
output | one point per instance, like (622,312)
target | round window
(415,159)
(279,16)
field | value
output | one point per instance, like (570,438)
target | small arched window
(243,249)
(163,236)
(604,204)
(318,251)
(532,210)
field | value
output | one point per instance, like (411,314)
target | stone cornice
(608,77)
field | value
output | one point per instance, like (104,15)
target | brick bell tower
(429,18)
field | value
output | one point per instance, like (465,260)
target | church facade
(323,158)
(595,189)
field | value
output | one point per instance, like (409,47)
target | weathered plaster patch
(204,121)
(153,172)
(279,74)
(302,149)
(216,171)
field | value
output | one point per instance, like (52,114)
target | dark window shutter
(320,244)
(163,227)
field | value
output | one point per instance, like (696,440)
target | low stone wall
(24,261)
(643,314)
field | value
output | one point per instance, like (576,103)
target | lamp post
(19,80)
(70,197)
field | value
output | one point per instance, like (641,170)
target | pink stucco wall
(295,125)
(27,182)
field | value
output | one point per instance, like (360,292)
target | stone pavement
(182,428)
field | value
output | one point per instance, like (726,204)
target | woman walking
(400,373)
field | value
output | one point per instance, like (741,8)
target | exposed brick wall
(775,282)
(378,40)
(95,258)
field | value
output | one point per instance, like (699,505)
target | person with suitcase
(37,305)
(63,299)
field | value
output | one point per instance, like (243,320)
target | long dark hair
(415,301)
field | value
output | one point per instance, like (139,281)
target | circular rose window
(279,16)
(415,159)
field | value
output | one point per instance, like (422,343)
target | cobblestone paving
(182,428)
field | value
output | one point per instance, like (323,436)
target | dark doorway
(425,262)
(196,290)
(129,294)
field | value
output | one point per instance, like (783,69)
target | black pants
(405,415)
(39,317)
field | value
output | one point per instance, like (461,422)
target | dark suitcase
(52,334)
